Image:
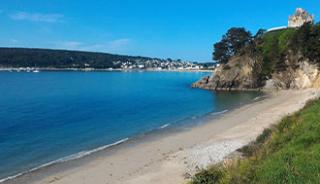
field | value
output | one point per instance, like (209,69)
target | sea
(56,116)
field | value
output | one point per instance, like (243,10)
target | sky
(177,29)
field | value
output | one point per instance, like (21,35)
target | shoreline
(169,157)
(165,129)
(32,69)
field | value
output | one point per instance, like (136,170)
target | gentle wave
(259,97)
(164,126)
(221,112)
(65,159)
(86,153)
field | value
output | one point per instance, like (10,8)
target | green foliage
(251,149)
(264,136)
(284,39)
(287,153)
(214,175)
(231,44)
(293,155)
(271,49)
(274,46)
(279,37)
(19,57)
(307,40)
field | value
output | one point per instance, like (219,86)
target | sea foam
(65,159)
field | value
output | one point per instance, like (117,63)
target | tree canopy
(23,57)
(307,40)
(231,44)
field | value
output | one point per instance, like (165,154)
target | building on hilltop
(299,18)
(296,20)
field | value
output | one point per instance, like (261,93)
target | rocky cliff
(242,73)
(299,73)
(237,74)
(281,59)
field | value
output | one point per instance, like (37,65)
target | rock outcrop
(238,74)
(278,59)
(306,75)
(241,73)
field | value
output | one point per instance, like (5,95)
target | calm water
(50,115)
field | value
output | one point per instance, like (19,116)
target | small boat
(35,71)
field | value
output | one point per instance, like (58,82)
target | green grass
(281,38)
(275,45)
(287,153)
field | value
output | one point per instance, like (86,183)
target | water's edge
(135,139)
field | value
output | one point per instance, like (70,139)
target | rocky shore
(301,74)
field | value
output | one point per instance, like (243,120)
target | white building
(299,18)
(296,20)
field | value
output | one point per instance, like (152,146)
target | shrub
(213,175)
(226,67)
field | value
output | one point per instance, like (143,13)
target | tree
(258,38)
(307,40)
(221,50)
(231,44)
(260,33)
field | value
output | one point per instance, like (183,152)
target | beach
(172,157)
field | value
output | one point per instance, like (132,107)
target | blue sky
(157,28)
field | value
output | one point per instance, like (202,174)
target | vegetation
(287,153)
(47,58)
(271,49)
(307,41)
(16,57)
(231,44)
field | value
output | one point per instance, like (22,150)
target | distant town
(168,64)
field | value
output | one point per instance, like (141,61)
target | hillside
(48,58)
(286,153)
(280,59)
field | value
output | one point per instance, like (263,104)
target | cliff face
(237,74)
(305,75)
(280,59)
(296,72)
(242,73)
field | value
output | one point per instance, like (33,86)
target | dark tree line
(20,57)
(307,40)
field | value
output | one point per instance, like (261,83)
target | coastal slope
(278,59)
(287,152)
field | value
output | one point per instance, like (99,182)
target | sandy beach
(171,157)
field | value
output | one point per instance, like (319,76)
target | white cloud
(13,41)
(36,17)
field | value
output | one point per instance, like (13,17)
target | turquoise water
(51,115)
